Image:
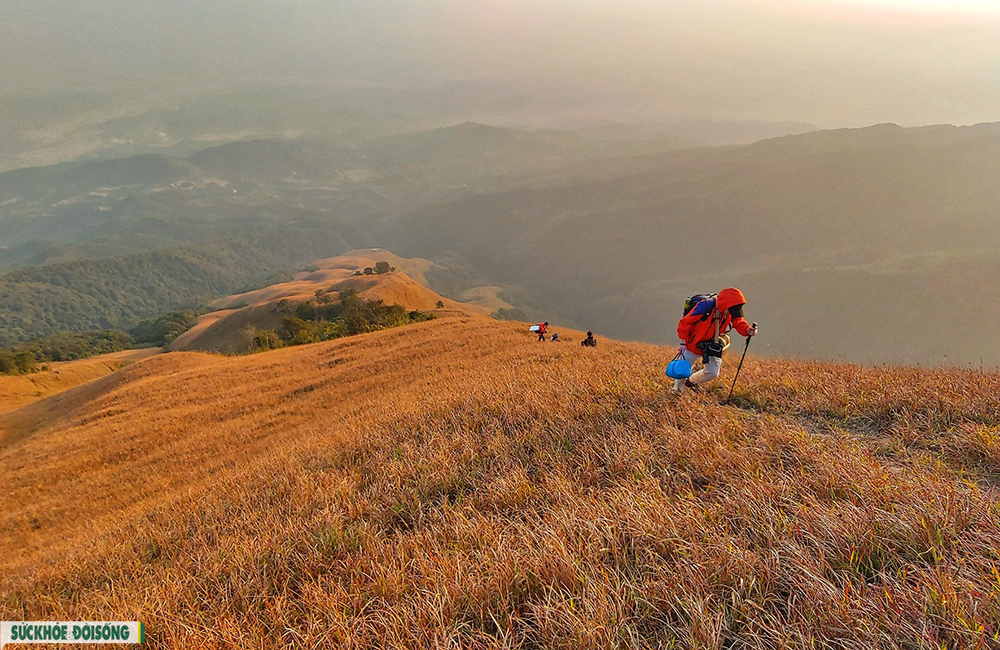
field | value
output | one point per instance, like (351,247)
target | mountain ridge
(815,227)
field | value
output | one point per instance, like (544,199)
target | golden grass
(204,323)
(18,390)
(328,273)
(455,483)
(225,330)
(486,298)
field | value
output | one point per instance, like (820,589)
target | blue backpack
(701,304)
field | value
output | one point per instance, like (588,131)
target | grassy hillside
(17,391)
(237,319)
(457,483)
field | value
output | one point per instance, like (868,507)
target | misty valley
(878,236)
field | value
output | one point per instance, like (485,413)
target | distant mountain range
(148,201)
(875,244)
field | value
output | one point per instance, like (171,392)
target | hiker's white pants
(709,372)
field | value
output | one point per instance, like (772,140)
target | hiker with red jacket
(543,329)
(703,329)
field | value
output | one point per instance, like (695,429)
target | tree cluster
(24,358)
(322,320)
(380,268)
(164,329)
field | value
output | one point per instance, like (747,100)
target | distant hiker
(543,329)
(702,332)
(555,338)
(590,341)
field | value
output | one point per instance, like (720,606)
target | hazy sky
(830,62)
(945,6)
(930,12)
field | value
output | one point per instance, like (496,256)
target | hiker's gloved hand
(681,348)
(752,331)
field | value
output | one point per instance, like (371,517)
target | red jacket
(692,330)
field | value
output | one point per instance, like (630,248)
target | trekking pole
(747,347)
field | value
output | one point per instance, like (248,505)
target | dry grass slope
(328,273)
(455,483)
(224,330)
(18,390)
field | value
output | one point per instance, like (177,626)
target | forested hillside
(119,292)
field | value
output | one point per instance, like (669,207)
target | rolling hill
(235,319)
(414,487)
(17,391)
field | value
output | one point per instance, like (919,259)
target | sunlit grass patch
(483,491)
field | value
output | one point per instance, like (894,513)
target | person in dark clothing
(590,341)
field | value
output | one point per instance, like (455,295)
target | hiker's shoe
(690,384)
